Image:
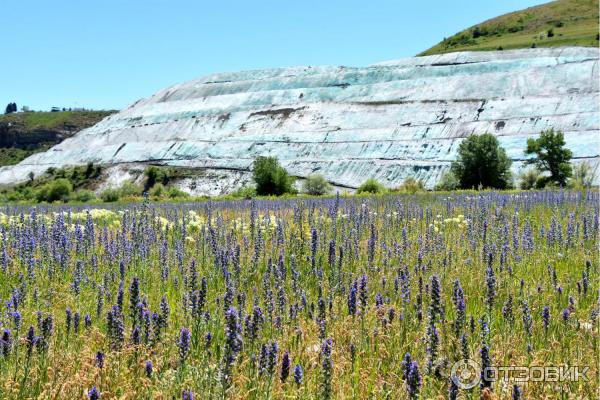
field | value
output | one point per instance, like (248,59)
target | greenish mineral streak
(389,120)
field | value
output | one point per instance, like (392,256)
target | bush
(411,185)
(158,190)
(83,196)
(447,182)
(482,162)
(129,189)
(371,185)
(271,178)
(110,195)
(245,192)
(584,175)
(529,179)
(56,190)
(174,193)
(316,185)
(156,175)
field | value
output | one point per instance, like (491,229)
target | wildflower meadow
(338,298)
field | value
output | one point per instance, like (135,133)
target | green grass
(52,120)
(573,22)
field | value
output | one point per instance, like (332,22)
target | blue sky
(108,53)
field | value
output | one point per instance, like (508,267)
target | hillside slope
(558,23)
(387,121)
(26,133)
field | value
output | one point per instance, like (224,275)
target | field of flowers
(358,297)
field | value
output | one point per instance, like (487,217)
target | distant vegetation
(271,178)
(559,23)
(25,133)
(481,164)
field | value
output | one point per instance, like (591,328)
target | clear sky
(108,53)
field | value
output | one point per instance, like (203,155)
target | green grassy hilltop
(25,133)
(558,23)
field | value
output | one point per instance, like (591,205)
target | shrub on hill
(56,190)
(316,185)
(371,185)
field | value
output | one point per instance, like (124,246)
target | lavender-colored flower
(405,364)
(100,359)
(491,287)
(6,342)
(87,321)
(413,380)
(68,320)
(486,363)
(298,374)
(134,298)
(187,395)
(452,390)
(363,293)
(148,367)
(517,393)
(435,308)
(16,317)
(285,366)
(352,299)
(184,344)
(546,317)
(94,394)
(566,313)
(327,369)
(507,310)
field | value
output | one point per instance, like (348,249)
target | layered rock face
(389,121)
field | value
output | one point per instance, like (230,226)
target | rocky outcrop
(389,121)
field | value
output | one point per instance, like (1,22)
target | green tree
(551,156)
(316,185)
(482,162)
(270,177)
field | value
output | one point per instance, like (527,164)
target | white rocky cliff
(389,121)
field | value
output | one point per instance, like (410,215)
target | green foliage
(411,185)
(551,156)
(529,178)
(316,185)
(110,195)
(584,175)
(156,175)
(158,190)
(56,190)
(371,185)
(129,189)
(245,192)
(482,162)
(270,177)
(176,193)
(83,196)
(447,182)
(565,22)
